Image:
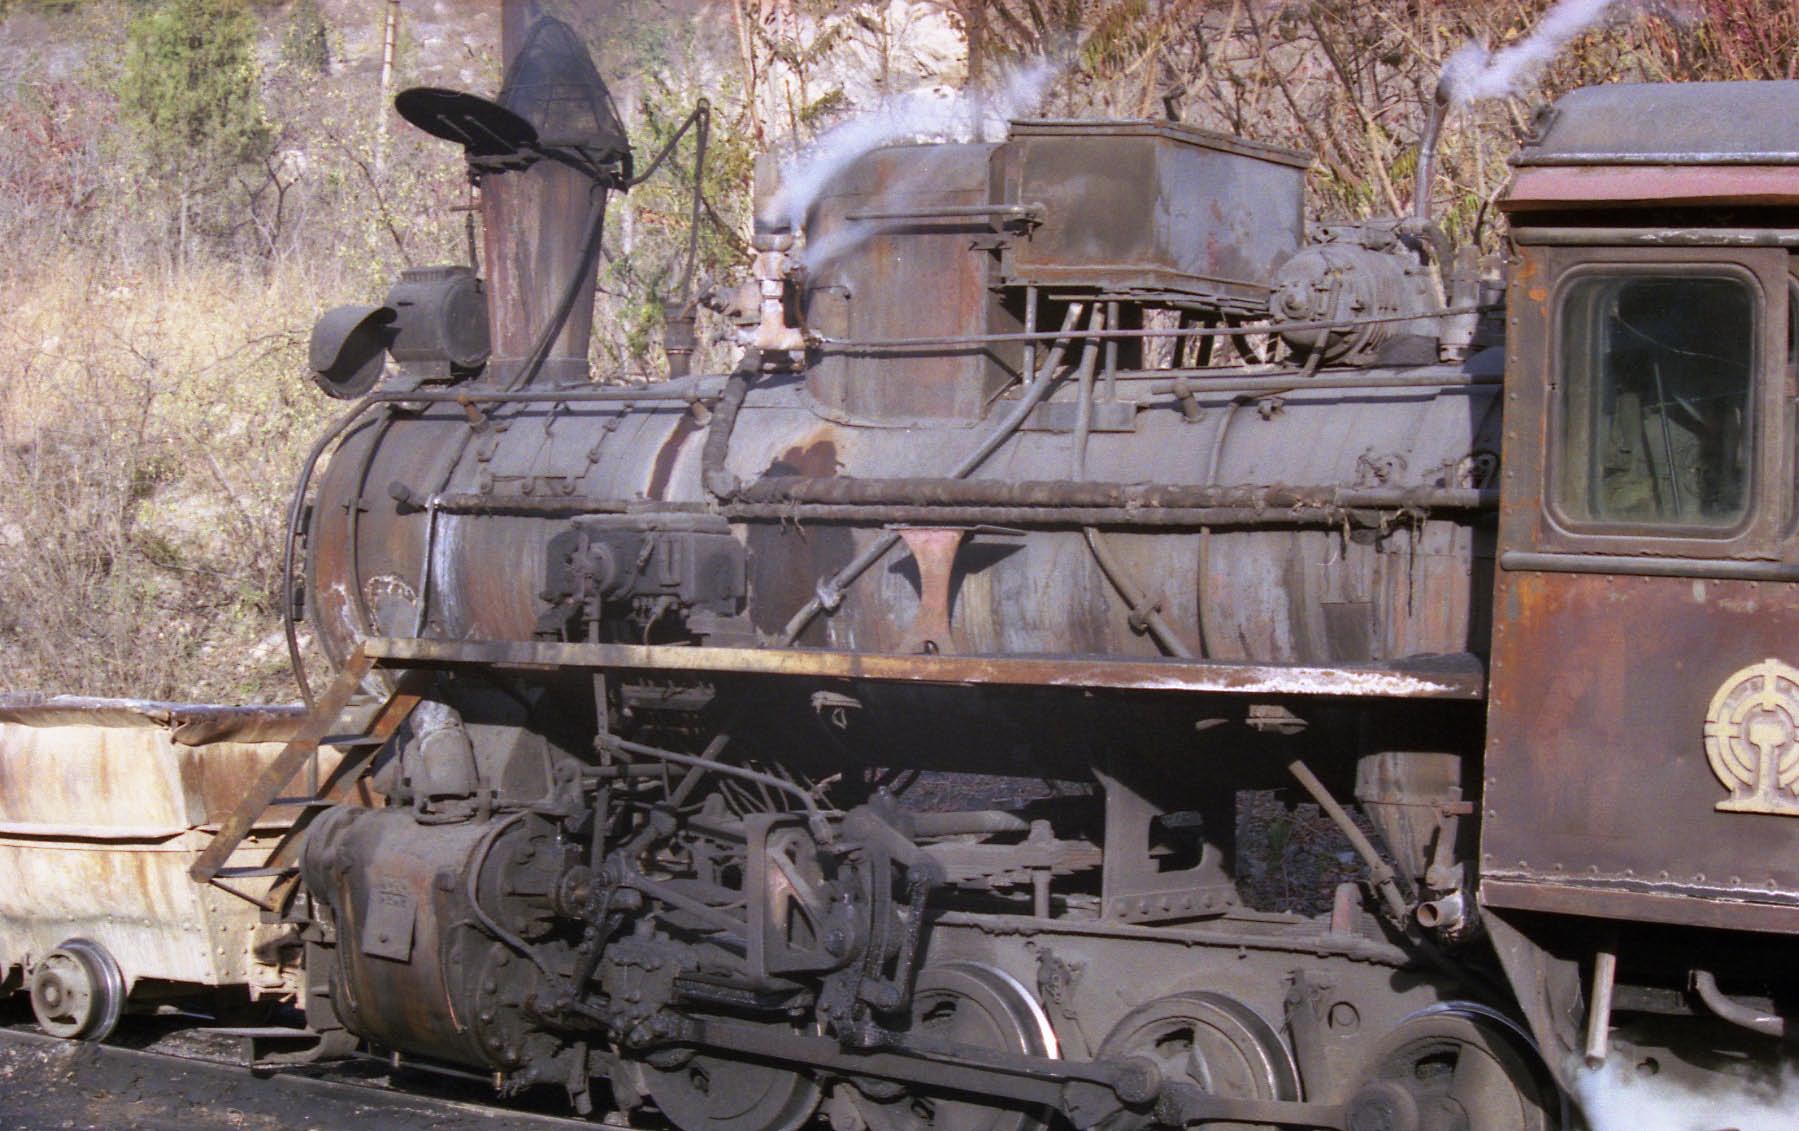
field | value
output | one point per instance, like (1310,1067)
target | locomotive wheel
(1455,1068)
(705,1092)
(967,1003)
(78,991)
(1207,1039)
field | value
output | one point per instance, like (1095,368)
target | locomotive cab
(1643,742)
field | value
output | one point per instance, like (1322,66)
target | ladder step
(254,873)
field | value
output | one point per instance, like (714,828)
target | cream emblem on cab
(1752,739)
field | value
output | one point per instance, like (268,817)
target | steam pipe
(1706,986)
(815,817)
(845,345)
(965,822)
(1599,1013)
(1427,153)
(1145,614)
(1061,493)
(1143,610)
(715,477)
(951,212)
(1188,382)
(1379,871)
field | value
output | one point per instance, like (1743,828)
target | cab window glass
(1656,400)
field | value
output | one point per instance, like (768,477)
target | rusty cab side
(1642,768)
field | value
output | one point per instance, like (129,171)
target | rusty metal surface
(1600,186)
(1640,904)
(1152,205)
(1689,144)
(1439,677)
(190,724)
(103,805)
(934,552)
(1597,761)
(859,268)
(1391,448)
(401,958)
(1608,648)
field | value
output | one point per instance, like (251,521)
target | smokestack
(540,221)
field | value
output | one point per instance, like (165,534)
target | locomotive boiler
(859,734)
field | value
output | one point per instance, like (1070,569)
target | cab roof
(1693,123)
(1662,144)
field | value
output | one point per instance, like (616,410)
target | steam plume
(1474,72)
(1614,1098)
(920,175)
(924,115)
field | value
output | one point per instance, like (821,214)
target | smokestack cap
(553,103)
(553,84)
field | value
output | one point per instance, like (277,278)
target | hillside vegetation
(186,184)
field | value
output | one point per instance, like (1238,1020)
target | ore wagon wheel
(965,1003)
(78,991)
(1458,1067)
(1208,1039)
(705,1092)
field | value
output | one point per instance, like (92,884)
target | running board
(1461,676)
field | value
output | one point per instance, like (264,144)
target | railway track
(188,1079)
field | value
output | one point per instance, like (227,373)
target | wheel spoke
(1480,1084)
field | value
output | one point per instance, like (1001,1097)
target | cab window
(1656,400)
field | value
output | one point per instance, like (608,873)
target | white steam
(922,115)
(1474,72)
(1615,1098)
(919,176)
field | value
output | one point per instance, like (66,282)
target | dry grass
(149,428)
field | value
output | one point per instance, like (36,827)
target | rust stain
(817,460)
(1550,187)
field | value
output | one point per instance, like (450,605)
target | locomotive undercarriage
(741,922)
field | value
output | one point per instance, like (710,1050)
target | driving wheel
(698,1091)
(78,991)
(1459,1067)
(1208,1039)
(969,1004)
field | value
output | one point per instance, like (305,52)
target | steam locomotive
(859,734)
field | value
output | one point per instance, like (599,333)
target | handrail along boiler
(861,732)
